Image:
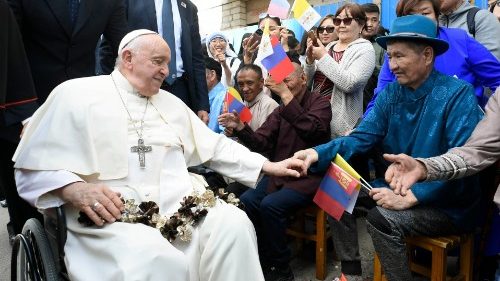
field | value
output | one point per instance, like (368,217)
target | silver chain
(139,133)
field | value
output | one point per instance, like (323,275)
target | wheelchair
(38,252)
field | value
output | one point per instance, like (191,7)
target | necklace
(140,148)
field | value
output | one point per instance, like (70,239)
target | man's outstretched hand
(287,168)
(404,172)
(308,156)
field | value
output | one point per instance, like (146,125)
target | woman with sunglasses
(218,49)
(465,59)
(346,64)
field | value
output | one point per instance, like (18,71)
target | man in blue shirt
(423,114)
(216,94)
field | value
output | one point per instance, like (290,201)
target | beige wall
(216,15)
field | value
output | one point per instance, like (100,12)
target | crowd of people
(132,104)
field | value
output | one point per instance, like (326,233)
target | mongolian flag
(339,189)
(234,102)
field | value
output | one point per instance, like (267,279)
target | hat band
(411,34)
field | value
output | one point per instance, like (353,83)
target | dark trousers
(345,239)
(19,210)
(268,213)
(388,229)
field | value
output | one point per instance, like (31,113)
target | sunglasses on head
(329,29)
(265,15)
(346,21)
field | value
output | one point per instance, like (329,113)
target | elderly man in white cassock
(98,138)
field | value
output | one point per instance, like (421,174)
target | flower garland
(181,224)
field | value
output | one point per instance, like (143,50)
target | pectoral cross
(141,149)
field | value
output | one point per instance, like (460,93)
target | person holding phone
(340,69)
(251,44)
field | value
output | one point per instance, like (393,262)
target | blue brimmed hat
(415,28)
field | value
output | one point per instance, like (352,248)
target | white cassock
(83,132)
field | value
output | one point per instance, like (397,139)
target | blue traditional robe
(439,115)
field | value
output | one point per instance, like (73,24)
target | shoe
(275,273)
(3,203)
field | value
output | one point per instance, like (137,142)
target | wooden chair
(439,247)
(322,233)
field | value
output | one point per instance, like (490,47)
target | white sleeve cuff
(35,186)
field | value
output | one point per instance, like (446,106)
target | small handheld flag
(278,8)
(234,102)
(305,14)
(277,64)
(339,189)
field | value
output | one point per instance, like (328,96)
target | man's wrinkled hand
(287,168)
(308,156)
(403,173)
(97,201)
(231,120)
(386,198)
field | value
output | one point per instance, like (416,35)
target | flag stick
(366,187)
(291,9)
(369,186)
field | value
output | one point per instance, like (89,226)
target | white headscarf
(228,51)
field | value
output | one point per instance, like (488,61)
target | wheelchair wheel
(32,257)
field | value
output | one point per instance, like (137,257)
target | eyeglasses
(218,40)
(328,29)
(346,21)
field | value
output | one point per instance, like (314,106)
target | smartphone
(313,37)
(255,37)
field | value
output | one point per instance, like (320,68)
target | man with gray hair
(423,114)
(81,151)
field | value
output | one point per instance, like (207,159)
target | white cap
(132,35)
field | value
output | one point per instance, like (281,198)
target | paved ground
(303,263)
(4,246)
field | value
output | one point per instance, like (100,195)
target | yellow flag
(300,7)
(346,167)
(305,14)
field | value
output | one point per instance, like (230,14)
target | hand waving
(404,172)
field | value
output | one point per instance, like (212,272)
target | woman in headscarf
(218,49)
